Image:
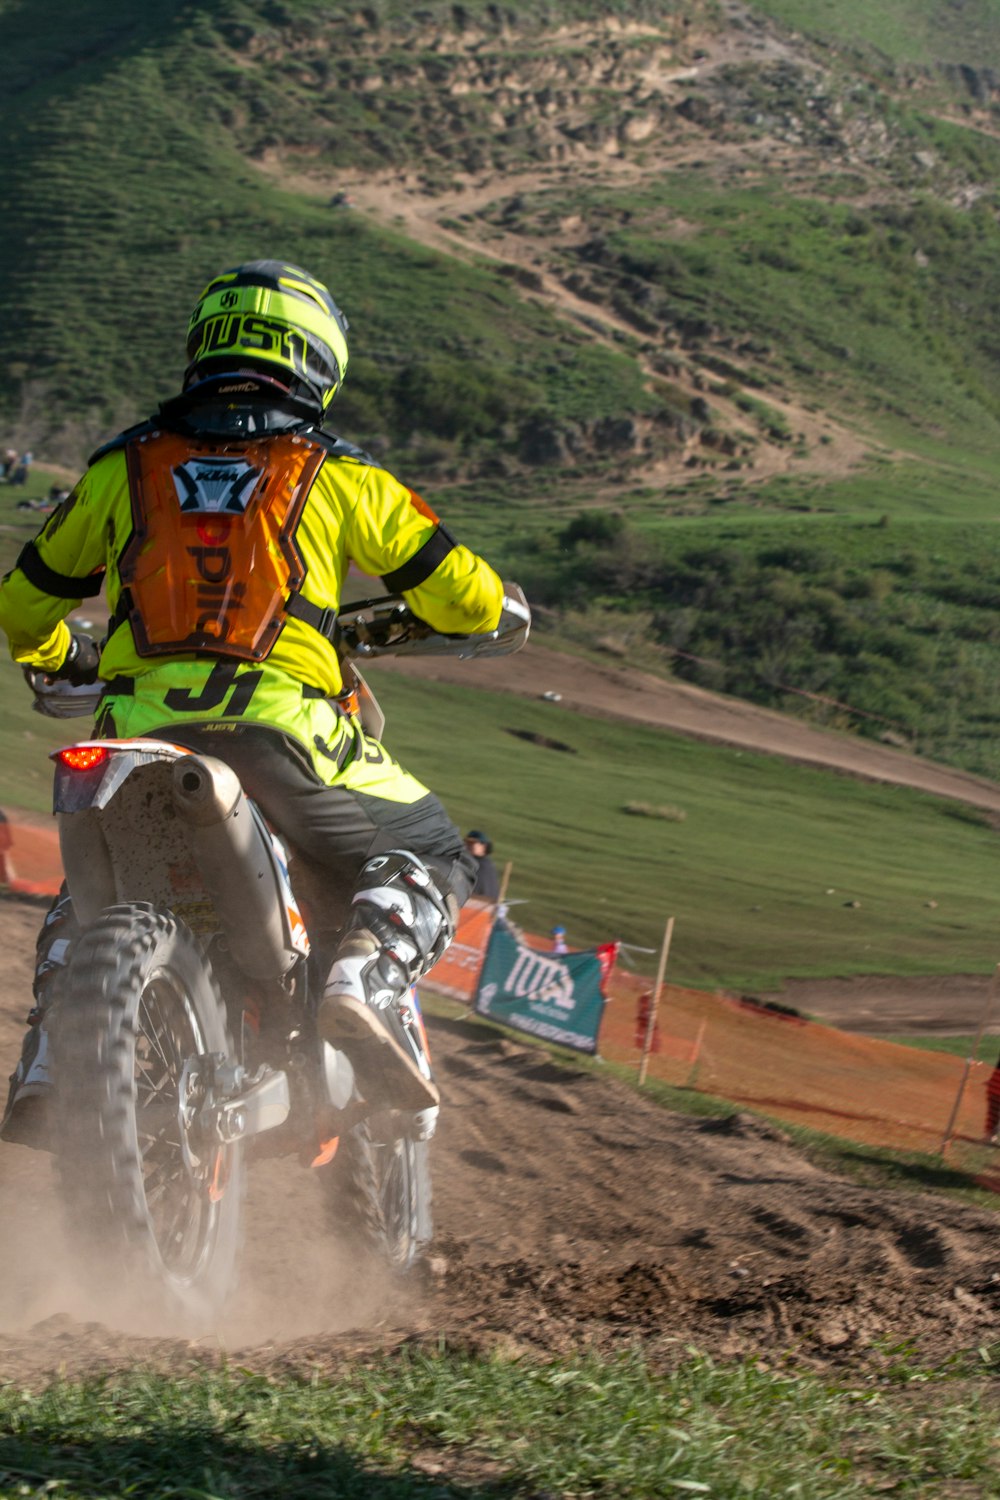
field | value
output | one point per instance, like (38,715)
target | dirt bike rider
(227,646)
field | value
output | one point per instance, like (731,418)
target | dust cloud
(297,1280)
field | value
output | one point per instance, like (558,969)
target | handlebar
(61,700)
(371,628)
(388,627)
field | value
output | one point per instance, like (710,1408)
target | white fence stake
(654,1004)
(987,1009)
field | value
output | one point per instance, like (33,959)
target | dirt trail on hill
(570,1213)
(621,692)
(826,449)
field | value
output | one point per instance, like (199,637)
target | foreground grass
(443,1424)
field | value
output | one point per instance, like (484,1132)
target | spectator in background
(9,461)
(993,1105)
(487,886)
(22,469)
(559,943)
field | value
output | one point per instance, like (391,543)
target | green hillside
(136,160)
(724,278)
(901,31)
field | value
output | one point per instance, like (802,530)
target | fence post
(987,1008)
(654,1004)
(696,1058)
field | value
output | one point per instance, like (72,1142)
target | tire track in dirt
(571,1213)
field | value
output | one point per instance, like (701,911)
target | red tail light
(84,757)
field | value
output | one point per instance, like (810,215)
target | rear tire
(379,1192)
(139,999)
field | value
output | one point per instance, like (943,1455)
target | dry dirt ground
(569,1211)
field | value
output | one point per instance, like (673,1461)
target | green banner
(553,996)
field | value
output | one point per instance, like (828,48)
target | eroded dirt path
(570,1213)
(402,201)
(438,203)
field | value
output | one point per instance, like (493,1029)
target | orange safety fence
(855,1087)
(457,973)
(30,863)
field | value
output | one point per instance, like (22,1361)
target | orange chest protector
(212,561)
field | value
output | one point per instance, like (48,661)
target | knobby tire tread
(355,1205)
(97,1154)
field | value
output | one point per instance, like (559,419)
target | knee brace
(397,900)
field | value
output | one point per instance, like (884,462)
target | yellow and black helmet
(274,317)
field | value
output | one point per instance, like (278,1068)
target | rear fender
(115,832)
(78,787)
(123,837)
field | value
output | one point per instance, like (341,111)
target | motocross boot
(399,927)
(26,1119)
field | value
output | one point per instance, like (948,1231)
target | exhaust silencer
(233,853)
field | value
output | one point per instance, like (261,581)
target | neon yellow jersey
(355,512)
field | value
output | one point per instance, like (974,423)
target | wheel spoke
(152,1035)
(167,1036)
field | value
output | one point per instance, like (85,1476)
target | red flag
(607,955)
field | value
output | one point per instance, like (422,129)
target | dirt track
(569,1212)
(621,692)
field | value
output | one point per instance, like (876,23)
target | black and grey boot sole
(386,1072)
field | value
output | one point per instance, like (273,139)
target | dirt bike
(177,986)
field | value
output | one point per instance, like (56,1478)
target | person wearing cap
(487,884)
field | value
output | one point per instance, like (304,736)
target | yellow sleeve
(394,535)
(56,571)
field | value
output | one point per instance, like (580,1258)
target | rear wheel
(151,1211)
(379,1191)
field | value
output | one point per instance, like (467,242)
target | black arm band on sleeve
(59,585)
(323,620)
(422,564)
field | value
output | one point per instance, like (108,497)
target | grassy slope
(758,872)
(124,185)
(864,312)
(911,31)
(896,619)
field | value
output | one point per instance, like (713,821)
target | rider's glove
(80,665)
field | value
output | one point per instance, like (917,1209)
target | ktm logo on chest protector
(212,556)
